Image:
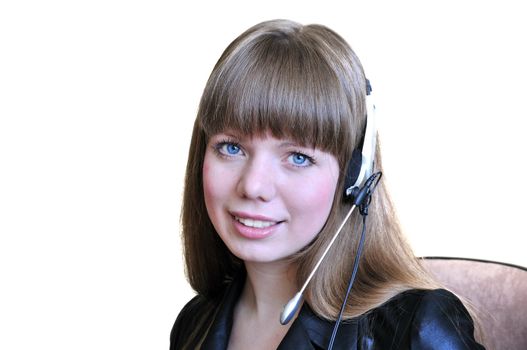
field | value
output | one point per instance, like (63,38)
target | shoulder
(443,321)
(439,303)
(191,320)
(423,319)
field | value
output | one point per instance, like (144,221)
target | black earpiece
(352,174)
(361,165)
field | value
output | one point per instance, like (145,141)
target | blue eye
(231,148)
(228,148)
(299,159)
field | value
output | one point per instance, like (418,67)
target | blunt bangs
(280,84)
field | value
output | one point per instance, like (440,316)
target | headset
(360,182)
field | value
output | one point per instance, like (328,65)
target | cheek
(315,204)
(216,183)
(322,199)
(210,186)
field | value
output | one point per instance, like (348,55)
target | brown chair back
(498,291)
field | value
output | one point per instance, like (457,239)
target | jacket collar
(308,331)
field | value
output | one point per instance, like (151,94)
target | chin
(263,257)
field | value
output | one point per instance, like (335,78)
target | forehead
(285,89)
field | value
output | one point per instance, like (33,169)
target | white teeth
(255,223)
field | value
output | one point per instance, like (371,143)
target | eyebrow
(289,144)
(228,134)
(286,144)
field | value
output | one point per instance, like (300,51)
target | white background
(97,99)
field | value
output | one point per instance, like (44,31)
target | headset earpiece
(352,174)
(361,165)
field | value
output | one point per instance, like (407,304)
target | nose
(257,180)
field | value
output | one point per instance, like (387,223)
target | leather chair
(497,291)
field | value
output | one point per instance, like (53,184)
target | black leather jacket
(415,319)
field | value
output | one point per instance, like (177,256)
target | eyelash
(310,160)
(219,145)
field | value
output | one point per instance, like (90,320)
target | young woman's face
(266,197)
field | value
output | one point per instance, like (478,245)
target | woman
(279,119)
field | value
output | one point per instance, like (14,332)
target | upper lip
(245,215)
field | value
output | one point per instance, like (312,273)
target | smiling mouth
(255,223)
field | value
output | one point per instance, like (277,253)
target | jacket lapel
(307,332)
(220,330)
(296,338)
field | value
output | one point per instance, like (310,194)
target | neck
(268,288)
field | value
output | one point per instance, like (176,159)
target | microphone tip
(290,309)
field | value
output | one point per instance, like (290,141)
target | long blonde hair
(304,83)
